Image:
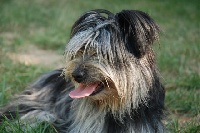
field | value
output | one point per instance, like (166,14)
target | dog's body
(111,64)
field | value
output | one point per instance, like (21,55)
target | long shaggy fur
(115,52)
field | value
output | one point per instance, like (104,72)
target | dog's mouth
(85,90)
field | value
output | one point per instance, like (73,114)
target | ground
(32,55)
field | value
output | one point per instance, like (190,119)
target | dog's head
(110,57)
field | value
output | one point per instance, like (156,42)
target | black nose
(78,75)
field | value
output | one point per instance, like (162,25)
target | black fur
(138,29)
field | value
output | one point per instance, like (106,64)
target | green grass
(191,127)
(18,127)
(47,25)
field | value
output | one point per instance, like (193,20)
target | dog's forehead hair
(101,40)
(95,30)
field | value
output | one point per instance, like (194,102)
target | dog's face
(90,75)
(110,59)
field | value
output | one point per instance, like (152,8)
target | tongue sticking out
(83,90)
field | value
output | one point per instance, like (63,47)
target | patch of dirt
(8,37)
(32,55)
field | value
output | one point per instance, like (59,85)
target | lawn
(46,24)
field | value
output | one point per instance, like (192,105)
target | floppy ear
(138,31)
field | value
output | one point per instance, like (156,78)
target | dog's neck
(87,117)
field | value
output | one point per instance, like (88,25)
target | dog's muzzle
(84,88)
(79,75)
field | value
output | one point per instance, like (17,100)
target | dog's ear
(138,31)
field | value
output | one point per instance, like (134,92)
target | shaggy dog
(110,83)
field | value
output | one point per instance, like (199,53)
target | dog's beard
(125,84)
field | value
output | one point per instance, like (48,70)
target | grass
(47,25)
(17,127)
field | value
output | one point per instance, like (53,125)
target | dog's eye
(94,54)
(79,53)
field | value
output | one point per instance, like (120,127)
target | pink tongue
(83,90)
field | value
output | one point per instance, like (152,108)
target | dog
(110,83)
